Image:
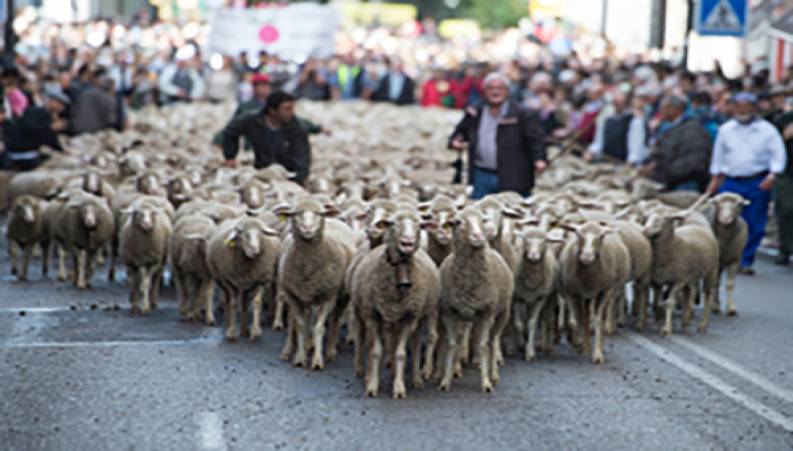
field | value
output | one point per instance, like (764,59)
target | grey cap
(57,94)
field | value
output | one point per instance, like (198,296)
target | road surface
(78,372)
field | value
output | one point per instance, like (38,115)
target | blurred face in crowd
(496,92)
(55,106)
(669,111)
(744,111)
(285,112)
(619,100)
(261,90)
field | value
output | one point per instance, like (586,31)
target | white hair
(493,76)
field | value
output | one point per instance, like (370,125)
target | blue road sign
(722,17)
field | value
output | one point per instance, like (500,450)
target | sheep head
(729,207)
(469,229)
(247,237)
(28,208)
(308,217)
(590,236)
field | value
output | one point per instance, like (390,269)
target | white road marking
(722,387)
(210,430)
(34,309)
(213,335)
(81,308)
(729,365)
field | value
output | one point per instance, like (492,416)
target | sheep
(395,289)
(191,276)
(731,231)
(593,266)
(535,283)
(85,225)
(143,245)
(311,274)
(441,210)
(241,257)
(683,256)
(179,190)
(496,229)
(41,184)
(641,259)
(24,229)
(476,291)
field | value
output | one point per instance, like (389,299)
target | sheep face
(445,226)
(92,183)
(144,218)
(27,207)
(660,225)
(590,237)
(377,217)
(535,243)
(469,229)
(179,189)
(247,237)
(729,207)
(403,229)
(252,196)
(308,218)
(148,184)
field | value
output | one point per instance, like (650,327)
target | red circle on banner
(268,34)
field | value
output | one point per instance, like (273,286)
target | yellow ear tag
(230,243)
(282,217)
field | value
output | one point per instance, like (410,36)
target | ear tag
(230,243)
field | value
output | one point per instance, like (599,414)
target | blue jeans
(485,182)
(755,214)
(687,186)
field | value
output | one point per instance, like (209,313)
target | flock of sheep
(378,243)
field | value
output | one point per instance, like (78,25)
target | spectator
(436,90)
(17,101)
(621,136)
(179,81)
(505,143)
(680,156)
(783,199)
(276,135)
(38,126)
(396,86)
(312,83)
(95,108)
(221,84)
(702,110)
(748,156)
(345,81)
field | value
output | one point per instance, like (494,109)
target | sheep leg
(585,331)
(609,320)
(133,291)
(432,342)
(325,309)
(230,303)
(291,338)
(145,289)
(278,316)
(12,254)
(155,285)
(349,322)
(496,357)
(299,315)
(518,326)
(658,297)
(332,350)
(483,335)
(27,251)
(600,306)
(532,329)
(671,302)
(415,353)
(256,321)
(622,317)
(730,286)
(80,266)
(640,295)
(89,271)
(451,329)
(208,292)
(111,267)
(359,345)
(61,263)
(688,306)
(375,356)
(245,300)
(180,282)
(400,358)
(712,287)
(440,354)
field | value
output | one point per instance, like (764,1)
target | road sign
(722,17)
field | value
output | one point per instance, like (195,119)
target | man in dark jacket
(95,109)
(783,195)
(681,155)
(396,86)
(505,143)
(38,126)
(275,134)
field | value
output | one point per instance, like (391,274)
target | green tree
(495,14)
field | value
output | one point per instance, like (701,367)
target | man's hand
(788,133)
(768,182)
(230,164)
(326,131)
(647,170)
(459,144)
(588,156)
(540,165)
(713,186)
(59,125)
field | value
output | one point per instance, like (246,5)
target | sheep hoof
(370,392)
(702,329)
(210,321)
(487,387)
(444,386)
(732,312)
(300,362)
(418,383)
(359,373)
(232,335)
(598,359)
(245,333)
(331,356)
(278,325)
(427,374)
(529,357)
(13,271)
(666,331)
(255,333)
(495,378)
(134,311)
(285,356)
(639,327)
(400,392)
(317,364)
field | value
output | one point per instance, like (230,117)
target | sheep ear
(270,232)
(427,216)
(568,227)
(361,216)
(429,225)
(424,206)
(340,199)
(529,222)
(331,211)
(512,213)
(230,238)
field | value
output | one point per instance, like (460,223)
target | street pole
(8,51)
(604,17)
(689,19)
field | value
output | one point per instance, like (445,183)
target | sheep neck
(402,264)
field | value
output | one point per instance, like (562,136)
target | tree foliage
(496,14)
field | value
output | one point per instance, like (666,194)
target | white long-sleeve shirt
(167,87)
(742,150)
(637,151)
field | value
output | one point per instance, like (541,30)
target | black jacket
(520,142)
(682,154)
(406,96)
(287,146)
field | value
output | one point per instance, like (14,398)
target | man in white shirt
(748,156)
(621,135)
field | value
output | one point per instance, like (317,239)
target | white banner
(292,32)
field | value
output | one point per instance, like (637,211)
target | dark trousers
(755,214)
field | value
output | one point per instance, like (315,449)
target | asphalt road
(77,373)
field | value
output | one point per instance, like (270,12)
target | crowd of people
(689,131)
